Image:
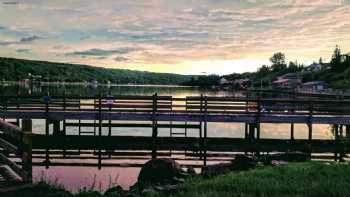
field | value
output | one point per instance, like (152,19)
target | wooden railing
(168,104)
(18,142)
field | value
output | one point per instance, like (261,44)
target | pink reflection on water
(75,178)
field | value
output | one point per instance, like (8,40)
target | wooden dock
(94,117)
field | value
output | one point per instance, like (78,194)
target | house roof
(288,76)
(282,80)
(314,65)
(314,83)
(241,80)
(223,80)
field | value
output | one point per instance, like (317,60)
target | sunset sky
(182,36)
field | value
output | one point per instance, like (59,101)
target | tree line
(336,72)
(19,69)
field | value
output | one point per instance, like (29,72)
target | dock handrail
(168,104)
(15,140)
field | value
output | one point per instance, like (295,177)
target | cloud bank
(168,36)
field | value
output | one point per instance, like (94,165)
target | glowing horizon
(186,37)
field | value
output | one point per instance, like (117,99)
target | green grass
(298,179)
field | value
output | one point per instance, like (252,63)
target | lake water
(77,177)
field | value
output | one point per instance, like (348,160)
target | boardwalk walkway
(102,113)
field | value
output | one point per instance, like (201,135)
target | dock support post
(336,140)
(201,130)
(205,129)
(246,134)
(27,149)
(257,121)
(309,124)
(292,131)
(99,131)
(154,128)
(310,121)
(257,126)
(17,106)
(110,127)
(47,130)
(56,127)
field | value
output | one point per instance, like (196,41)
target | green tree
(336,58)
(278,61)
(293,67)
(263,71)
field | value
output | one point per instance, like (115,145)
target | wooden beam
(248,118)
(176,143)
(8,146)
(18,170)
(133,125)
(11,130)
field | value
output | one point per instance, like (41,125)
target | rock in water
(159,171)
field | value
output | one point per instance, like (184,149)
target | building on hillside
(242,83)
(314,86)
(314,67)
(34,78)
(345,58)
(223,81)
(289,80)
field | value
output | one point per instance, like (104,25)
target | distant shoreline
(97,84)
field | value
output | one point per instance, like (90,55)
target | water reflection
(90,90)
(75,178)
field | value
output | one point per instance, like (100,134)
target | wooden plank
(8,146)
(126,165)
(248,118)
(133,125)
(176,143)
(17,169)
(11,130)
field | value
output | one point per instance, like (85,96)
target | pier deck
(101,114)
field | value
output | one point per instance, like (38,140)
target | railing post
(17,106)
(257,121)
(110,103)
(257,125)
(205,128)
(154,127)
(4,107)
(310,120)
(310,128)
(292,131)
(336,136)
(99,131)
(201,129)
(64,120)
(27,149)
(79,121)
(99,116)
(46,100)
(47,129)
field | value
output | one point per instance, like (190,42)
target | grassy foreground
(297,179)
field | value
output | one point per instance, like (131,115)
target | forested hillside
(18,69)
